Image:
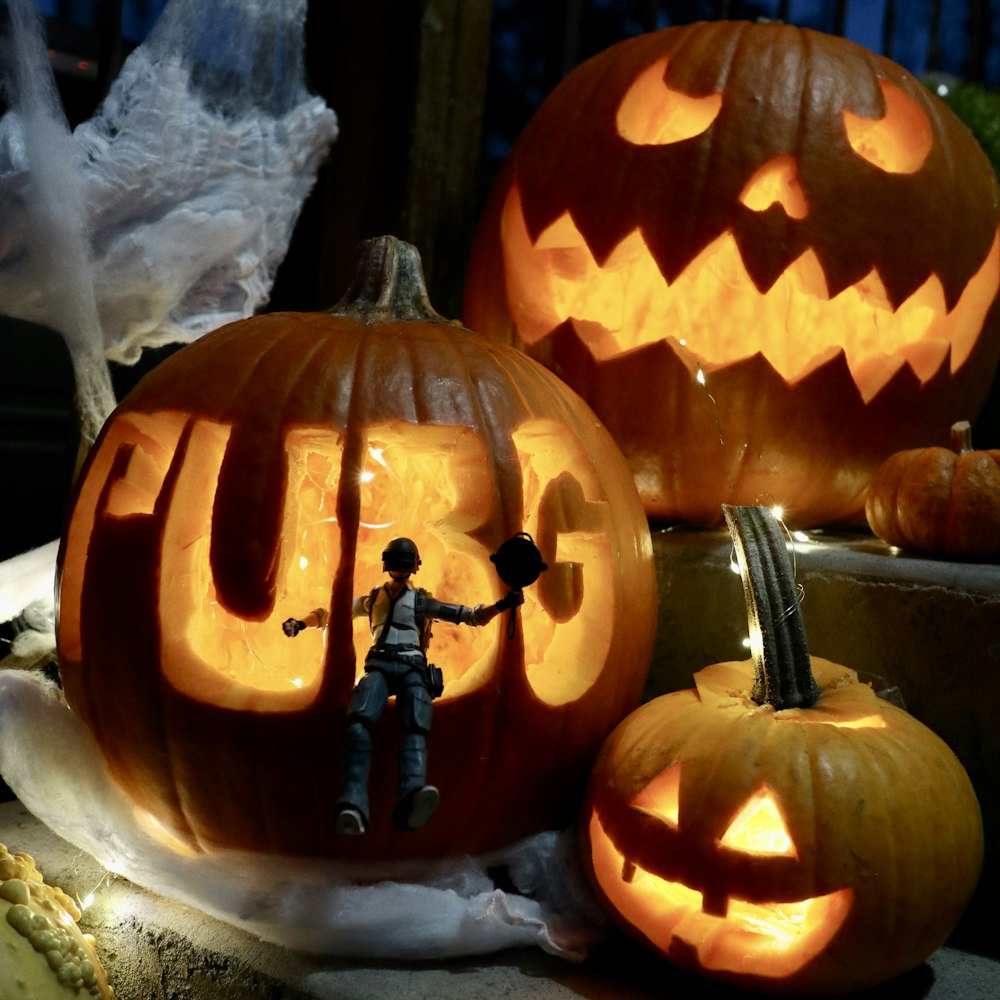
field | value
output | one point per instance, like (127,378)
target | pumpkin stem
(783,673)
(388,285)
(961,436)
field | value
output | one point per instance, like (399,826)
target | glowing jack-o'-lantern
(257,474)
(766,256)
(779,826)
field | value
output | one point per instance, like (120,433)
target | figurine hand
(292,627)
(513,600)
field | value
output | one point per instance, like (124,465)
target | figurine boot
(351,813)
(417,800)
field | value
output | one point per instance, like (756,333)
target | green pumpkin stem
(388,285)
(783,673)
(961,436)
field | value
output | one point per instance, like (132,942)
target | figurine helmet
(401,554)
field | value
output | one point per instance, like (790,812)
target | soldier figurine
(400,616)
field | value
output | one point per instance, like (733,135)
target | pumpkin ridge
(102,716)
(489,742)
(164,693)
(154,391)
(160,697)
(329,353)
(340,630)
(809,806)
(768,241)
(246,544)
(336,354)
(626,757)
(888,775)
(956,854)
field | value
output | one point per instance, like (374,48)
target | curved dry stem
(784,676)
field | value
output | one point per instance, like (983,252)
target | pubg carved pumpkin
(767,257)
(778,826)
(259,473)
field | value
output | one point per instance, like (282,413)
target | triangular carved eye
(651,114)
(897,143)
(661,797)
(759,828)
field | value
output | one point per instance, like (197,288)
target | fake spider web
(168,212)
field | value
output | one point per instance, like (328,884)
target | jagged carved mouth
(773,940)
(714,311)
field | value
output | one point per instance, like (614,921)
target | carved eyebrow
(900,141)
(653,114)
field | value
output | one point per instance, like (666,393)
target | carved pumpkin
(765,256)
(939,500)
(258,474)
(778,826)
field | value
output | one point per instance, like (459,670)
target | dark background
(372,62)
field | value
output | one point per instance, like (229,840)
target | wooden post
(407,82)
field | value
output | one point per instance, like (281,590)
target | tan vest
(397,622)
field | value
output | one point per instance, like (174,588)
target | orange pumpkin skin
(944,501)
(723,377)
(194,477)
(883,817)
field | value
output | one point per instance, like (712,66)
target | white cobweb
(168,212)
(163,217)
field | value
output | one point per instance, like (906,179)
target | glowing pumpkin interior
(433,483)
(713,309)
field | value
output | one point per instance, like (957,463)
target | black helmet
(401,554)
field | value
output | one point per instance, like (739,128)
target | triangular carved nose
(777,181)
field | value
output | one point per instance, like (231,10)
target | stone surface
(154,949)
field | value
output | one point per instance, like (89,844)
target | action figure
(400,616)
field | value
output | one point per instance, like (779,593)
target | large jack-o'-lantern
(766,256)
(258,474)
(778,826)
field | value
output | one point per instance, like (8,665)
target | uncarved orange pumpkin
(943,501)
(778,827)
(766,256)
(257,474)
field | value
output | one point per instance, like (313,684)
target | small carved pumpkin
(765,256)
(939,500)
(778,826)
(257,474)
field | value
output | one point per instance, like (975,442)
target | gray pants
(385,677)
